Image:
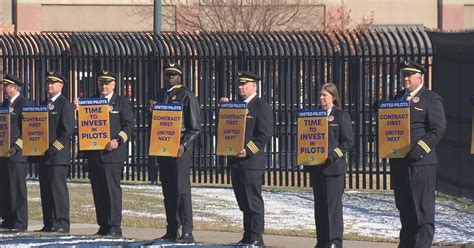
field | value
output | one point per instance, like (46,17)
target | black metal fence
(363,64)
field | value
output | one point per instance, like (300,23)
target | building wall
(136,15)
(93,18)
(6,16)
(469,16)
(386,12)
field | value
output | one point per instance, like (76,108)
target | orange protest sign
(4,131)
(93,123)
(231,128)
(312,137)
(165,136)
(472,133)
(35,130)
(394,129)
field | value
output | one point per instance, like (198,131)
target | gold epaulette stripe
(252,147)
(19,143)
(123,135)
(424,146)
(339,152)
(58,145)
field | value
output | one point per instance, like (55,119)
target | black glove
(375,105)
(416,153)
(51,153)
(332,157)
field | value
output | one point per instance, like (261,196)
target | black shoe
(17,230)
(245,239)
(114,234)
(254,243)
(102,231)
(59,230)
(45,229)
(186,238)
(332,245)
(169,236)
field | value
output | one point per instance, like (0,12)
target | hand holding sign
(224,99)
(242,153)
(76,104)
(112,145)
(181,151)
(12,151)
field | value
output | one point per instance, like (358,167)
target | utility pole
(157,16)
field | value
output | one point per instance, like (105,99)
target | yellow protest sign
(165,136)
(394,129)
(93,123)
(312,137)
(35,130)
(231,128)
(4,131)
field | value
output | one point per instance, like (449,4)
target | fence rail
(363,64)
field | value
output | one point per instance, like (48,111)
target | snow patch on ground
(369,214)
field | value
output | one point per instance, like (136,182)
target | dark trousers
(17,201)
(328,192)
(174,175)
(247,185)
(4,201)
(414,188)
(107,192)
(54,195)
(152,170)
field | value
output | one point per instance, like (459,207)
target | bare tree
(237,15)
(340,19)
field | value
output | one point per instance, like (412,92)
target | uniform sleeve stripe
(424,146)
(339,152)
(19,142)
(252,147)
(123,135)
(58,145)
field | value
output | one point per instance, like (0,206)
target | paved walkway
(211,237)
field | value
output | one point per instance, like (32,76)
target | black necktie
(405,96)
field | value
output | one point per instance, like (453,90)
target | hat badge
(50,72)
(105,72)
(172,64)
(239,73)
(406,62)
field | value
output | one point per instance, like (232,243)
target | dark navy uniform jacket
(191,125)
(427,125)
(258,132)
(340,140)
(15,128)
(122,126)
(61,128)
